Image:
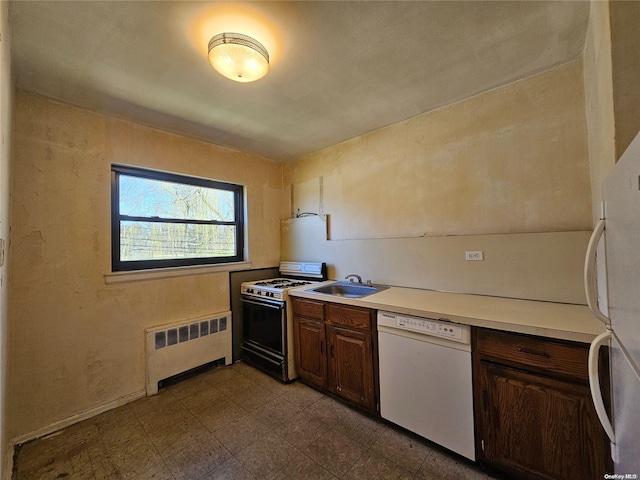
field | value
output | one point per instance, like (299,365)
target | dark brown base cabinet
(533,410)
(336,350)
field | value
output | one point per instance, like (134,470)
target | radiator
(174,348)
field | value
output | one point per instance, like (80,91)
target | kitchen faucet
(348,277)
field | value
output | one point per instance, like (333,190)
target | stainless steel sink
(348,289)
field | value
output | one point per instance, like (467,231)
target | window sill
(160,273)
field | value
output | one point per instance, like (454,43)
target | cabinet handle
(531,352)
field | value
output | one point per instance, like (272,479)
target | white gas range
(267,340)
(274,288)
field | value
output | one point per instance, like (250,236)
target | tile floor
(236,423)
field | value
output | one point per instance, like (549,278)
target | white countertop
(546,319)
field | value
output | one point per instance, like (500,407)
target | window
(166,220)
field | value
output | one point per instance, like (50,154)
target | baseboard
(67,422)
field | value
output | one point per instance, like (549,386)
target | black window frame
(118,265)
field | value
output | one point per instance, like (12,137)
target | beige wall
(599,100)
(6,102)
(76,343)
(511,160)
(625,53)
(535,266)
(490,173)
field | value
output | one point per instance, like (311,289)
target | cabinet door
(351,374)
(311,344)
(537,427)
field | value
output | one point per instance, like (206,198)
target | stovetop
(274,288)
(305,273)
(281,283)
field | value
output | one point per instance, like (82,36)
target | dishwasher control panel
(436,328)
(429,326)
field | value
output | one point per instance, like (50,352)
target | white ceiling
(339,69)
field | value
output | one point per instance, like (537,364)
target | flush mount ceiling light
(238,57)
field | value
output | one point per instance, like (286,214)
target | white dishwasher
(425,379)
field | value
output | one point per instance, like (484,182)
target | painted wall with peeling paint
(77,343)
(510,161)
(598,81)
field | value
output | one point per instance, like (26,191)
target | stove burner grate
(281,283)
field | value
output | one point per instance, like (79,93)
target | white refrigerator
(618,234)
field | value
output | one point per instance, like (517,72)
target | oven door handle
(265,303)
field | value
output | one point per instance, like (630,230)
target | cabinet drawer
(559,358)
(347,316)
(308,308)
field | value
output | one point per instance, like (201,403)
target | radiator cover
(177,347)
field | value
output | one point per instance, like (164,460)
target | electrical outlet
(474,255)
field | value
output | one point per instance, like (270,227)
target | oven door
(264,344)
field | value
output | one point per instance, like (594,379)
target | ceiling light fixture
(238,57)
